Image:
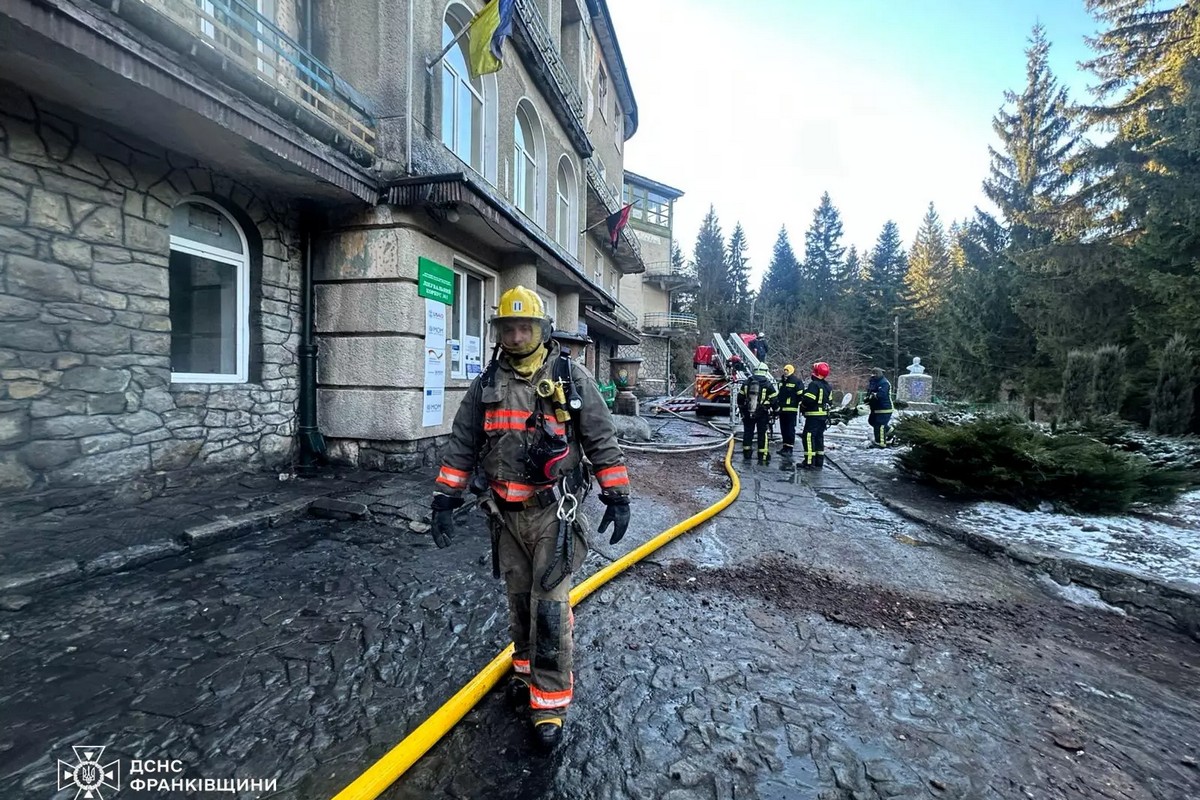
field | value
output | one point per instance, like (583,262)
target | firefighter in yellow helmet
(527,423)
(788,403)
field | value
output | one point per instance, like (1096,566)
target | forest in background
(1079,295)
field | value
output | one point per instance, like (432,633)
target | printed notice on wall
(435,363)
(473,356)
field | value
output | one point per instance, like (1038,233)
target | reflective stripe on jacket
(879,394)
(814,401)
(493,427)
(789,393)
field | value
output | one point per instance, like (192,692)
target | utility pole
(896,346)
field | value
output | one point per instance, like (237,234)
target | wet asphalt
(807,643)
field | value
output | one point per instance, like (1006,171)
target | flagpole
(606,216)
(430,62)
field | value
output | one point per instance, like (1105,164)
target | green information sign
(435,281)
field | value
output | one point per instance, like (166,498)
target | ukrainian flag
(487,33)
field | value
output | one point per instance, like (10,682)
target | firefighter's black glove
(443,518)
(617,514)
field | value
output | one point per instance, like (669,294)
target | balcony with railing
(250,52)
(670,277)
(624,315)
(537,47)
(666,321)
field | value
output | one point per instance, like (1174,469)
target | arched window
(525,162)
(462,96)
(209,285)
(566,230)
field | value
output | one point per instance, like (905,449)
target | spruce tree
(883,284)
(737,265)
(715,294)
(823,259)
(780,287)
(1029,178)
(928,267)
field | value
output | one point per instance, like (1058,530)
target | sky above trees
(760,108)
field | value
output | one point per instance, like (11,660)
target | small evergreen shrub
(1006,459)
(1078,385)
(1171,408)
(1109,381)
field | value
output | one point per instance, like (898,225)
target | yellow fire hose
(384,772)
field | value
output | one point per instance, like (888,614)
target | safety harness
(543,453)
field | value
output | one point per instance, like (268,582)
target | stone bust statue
(915,367)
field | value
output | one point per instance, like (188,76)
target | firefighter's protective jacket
(789,393)
(494,426)
(879,395)
(815,399)
(756,397)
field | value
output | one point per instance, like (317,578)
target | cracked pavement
(806,643)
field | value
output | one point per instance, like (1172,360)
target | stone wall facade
(652,375)
(85,329)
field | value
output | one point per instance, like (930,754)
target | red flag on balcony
(616,221)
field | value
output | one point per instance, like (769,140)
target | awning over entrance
(471,208)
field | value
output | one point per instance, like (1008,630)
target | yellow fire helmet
(519,305)
(788,369)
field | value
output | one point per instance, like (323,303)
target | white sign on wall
(434,395)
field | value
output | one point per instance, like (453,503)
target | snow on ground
(1162,542)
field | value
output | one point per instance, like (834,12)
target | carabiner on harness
(564,546)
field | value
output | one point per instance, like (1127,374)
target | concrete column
(518,274)
(568,312)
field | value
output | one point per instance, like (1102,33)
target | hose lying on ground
(384,772)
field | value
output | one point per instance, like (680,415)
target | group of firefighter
(761,400)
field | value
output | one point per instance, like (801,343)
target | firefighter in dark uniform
(526,423)
(789,409)
(879,400)
(814,404)
(756,401)
(758,346)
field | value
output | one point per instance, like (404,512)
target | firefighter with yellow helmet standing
(527,423)
(814,404)
(788,403)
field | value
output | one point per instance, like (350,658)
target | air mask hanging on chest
(543,450)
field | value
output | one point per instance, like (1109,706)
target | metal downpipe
(384,772)
(312,443)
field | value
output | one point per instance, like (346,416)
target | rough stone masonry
(85,330)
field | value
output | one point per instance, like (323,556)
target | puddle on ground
(833,500)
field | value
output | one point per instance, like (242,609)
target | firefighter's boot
(747,454)
(547,733)
(516,694)
(786,462)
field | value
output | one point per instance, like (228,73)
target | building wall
(652,375)
(85,331)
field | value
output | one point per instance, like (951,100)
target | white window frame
(598,268)
(458,317)
(181,244)
(602,90)
(549,304)
(566,227)
(525,164)
(460,83)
